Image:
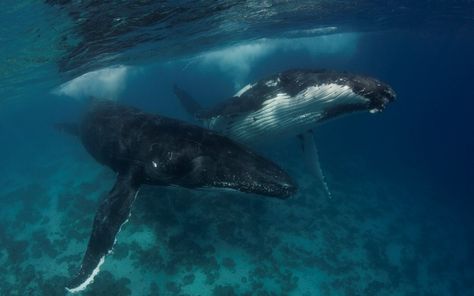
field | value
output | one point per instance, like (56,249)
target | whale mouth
(381,104)
(251,173)
(279,186)
(376,110)
(379,108)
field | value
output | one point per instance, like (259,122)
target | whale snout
(389,95)
(279,185)
(250,173)
(287,189)
(381,97)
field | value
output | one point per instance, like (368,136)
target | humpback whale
(291,103)
(146,149)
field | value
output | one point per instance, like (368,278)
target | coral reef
(224,291)
(188,279)
(179,241)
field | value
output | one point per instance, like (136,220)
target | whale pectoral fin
(312,159)
(113,212)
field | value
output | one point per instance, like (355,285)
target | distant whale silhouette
(291,103)
(149,149)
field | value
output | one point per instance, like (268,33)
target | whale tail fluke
(189,104)
(68,128)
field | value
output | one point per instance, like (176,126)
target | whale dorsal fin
(190,105)
(113,212)
(311,156)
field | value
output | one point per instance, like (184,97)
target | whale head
(329,93)
(248,172)
(213,161)
(376,93)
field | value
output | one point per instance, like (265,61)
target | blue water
(400,221)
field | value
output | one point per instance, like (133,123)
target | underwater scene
(237,148)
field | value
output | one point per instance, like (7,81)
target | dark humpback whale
(291,103)
(149,149)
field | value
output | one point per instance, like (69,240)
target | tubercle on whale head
(377,93)
(278,186)
(251,173)
(218,163)
(380,98)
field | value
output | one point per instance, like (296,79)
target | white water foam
(107,83)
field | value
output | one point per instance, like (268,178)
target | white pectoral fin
(312,159)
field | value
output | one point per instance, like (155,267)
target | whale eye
(169,165)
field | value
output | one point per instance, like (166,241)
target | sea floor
(374,237)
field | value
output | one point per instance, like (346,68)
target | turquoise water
(400,220)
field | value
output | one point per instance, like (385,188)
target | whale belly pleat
(275,120)
(284,115)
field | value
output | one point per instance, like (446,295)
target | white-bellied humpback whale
(291,103)
(149,149)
